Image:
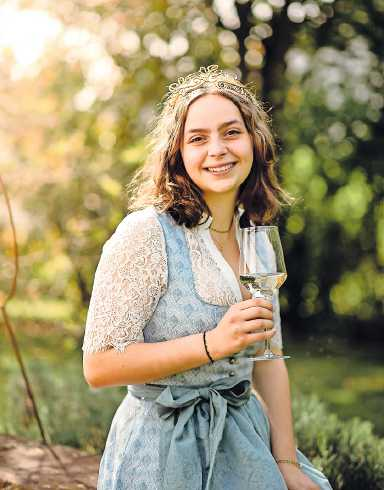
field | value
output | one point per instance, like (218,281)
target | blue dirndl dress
(203,429)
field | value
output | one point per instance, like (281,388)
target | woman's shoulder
(142,221)
(138,227)
(147,216)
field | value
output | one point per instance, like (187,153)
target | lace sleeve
(276,340)
(130,279)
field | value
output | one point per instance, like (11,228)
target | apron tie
(180,408)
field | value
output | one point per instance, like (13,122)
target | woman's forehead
(211,111)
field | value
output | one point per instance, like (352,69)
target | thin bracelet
(289,461)
(206,348)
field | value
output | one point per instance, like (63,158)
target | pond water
(349,379)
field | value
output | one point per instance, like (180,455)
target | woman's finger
(249,303)
(259,324)
(258,337)
(256,312)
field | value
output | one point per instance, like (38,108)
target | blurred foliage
(347,377)
(71,412)
(349,453)
(81,81)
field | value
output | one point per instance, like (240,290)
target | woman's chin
(221,189)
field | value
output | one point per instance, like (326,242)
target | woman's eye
(233,131)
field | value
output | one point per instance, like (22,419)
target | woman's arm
(140,362)
(144,362)
(270,380)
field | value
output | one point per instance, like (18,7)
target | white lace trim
(209,267)
(207,275)
(130,278)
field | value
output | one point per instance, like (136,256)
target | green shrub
(72,413)
(349,453)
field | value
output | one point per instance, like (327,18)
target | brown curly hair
(164,183)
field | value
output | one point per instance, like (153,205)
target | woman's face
(216,147)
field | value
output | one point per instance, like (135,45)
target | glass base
(269,357)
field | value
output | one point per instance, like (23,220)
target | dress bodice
(182,311)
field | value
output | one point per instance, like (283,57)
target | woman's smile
(223,169)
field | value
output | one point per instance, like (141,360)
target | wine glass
(262,269)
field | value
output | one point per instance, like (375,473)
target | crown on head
(210,76)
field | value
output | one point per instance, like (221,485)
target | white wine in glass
(262,269)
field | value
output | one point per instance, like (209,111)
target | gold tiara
(206,77)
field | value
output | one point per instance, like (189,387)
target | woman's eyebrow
(223,125)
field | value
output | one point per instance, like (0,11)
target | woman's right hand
(243,324)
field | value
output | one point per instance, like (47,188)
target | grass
(348,378)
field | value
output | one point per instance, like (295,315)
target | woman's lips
(220,169)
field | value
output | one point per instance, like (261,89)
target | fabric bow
(185,417)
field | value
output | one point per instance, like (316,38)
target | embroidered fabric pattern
(130,278)
(135,430)
(208,277)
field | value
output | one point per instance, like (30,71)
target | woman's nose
(216,147)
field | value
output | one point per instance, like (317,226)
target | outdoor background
(80,81)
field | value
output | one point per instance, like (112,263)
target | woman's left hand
(295,479)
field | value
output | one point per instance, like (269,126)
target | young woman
(169,318)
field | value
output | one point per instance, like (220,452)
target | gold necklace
(222,231)
(219,245)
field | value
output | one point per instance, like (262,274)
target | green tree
(77,134)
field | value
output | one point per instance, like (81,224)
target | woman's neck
(222,211)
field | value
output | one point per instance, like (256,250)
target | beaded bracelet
(289,461)
(206,348)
